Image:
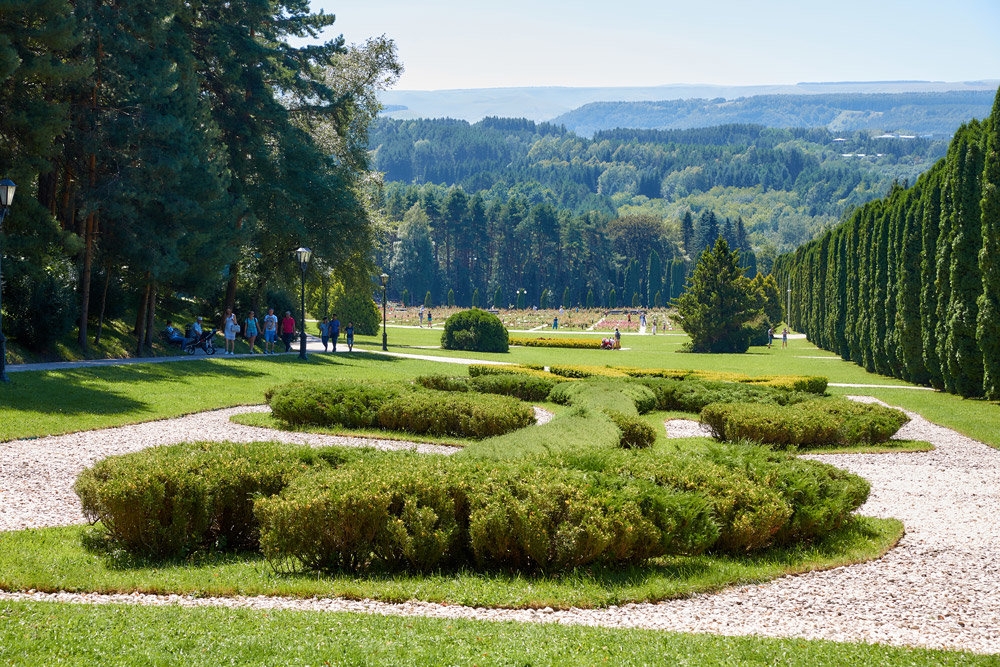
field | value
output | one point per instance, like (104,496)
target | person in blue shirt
(335,331)
(350,336)
(324,332)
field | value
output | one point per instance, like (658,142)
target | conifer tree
(498,301)
(908,322)
(718,304)
(565,298)
(988,322)
(928,279)
(687,235)
(965,360)
(590,299)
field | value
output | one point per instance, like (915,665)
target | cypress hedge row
(909,286)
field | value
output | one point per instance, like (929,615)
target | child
(350,336)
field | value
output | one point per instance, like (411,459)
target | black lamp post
(303,255)
(7,188)
(385,281)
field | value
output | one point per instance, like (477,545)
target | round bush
(475,330)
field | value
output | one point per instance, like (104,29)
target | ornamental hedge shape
(811,423)
(332,402)
(524,387)
(169,501)
(475,330)
(572,343)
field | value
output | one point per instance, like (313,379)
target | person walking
(324,332)
(350,336)
(421,317)
(654,326)
(270,331)
(230,327)
(618,339)
(287,330)
(429,319)
(770,337)
(334,331)
(784,337)
(251,329)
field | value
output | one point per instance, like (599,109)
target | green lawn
(37,403)
(55,559)
(50,633)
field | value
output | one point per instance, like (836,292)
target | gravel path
(36,476)
(940,588)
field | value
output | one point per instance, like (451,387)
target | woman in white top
(230,328)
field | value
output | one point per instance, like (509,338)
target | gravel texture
(939,588)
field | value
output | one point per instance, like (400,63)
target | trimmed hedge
(635,432)
(431,512)
(169,501)
(475,330)
(477,370)
(466,415)
(810,423)
(401,407)
(692,395)
(587,371)
(572,343)
(332,402)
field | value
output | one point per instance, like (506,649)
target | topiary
(475,330)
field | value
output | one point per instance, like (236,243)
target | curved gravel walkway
(940,588)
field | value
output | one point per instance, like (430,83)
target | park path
(939,588)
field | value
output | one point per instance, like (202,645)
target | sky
(447,44)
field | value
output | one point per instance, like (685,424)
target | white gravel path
(940,588)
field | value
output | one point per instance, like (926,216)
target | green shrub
(475,330)
(605,393)
(635,432)
(534,370)
(332,402)
(465,415)
(168,501)
(810,423)
(443,382)
(574,343)
(401,511)
(691,395)
(524,387)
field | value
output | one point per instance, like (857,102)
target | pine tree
(590,299)
(718,304)
(658,300)
(708,230)
(908,324)
(475,298)
(428,300)
(687,235)
(928,273)
(565,299)
(988,323)
(498,301)
(406,298)
(451,298)
(678,271)
(965,360)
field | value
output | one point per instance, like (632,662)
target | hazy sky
(471,44)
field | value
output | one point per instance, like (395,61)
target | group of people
(251,329)
(430,317)
(614,343)
(784,337)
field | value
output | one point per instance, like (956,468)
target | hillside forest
(509,204)
(909,285)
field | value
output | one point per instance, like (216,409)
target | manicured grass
(55,559)
(49,633)
(37,403)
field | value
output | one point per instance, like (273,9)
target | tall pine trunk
(104,304)
(140,319)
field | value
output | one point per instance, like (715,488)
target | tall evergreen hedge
(909,286)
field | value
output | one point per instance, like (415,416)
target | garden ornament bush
(821,422)
(475,330)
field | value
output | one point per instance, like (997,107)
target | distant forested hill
(937,113)
(786,184)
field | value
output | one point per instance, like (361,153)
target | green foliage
(358,307)
(466,414)
(691,395)
(169,501)
(428,301)
(451,298)
(475,330)
(809,423)
(524,387)
(718,304)
(863,291)
(330,403)
(635,432)
(561,341)
(406,298)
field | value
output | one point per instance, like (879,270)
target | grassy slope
(48,633)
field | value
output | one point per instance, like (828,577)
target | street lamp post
(7,188)
(385,342)
(303,255)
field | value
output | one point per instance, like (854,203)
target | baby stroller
(204,342)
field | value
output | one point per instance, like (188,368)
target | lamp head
(385,279)
(303,255)
(7,189)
